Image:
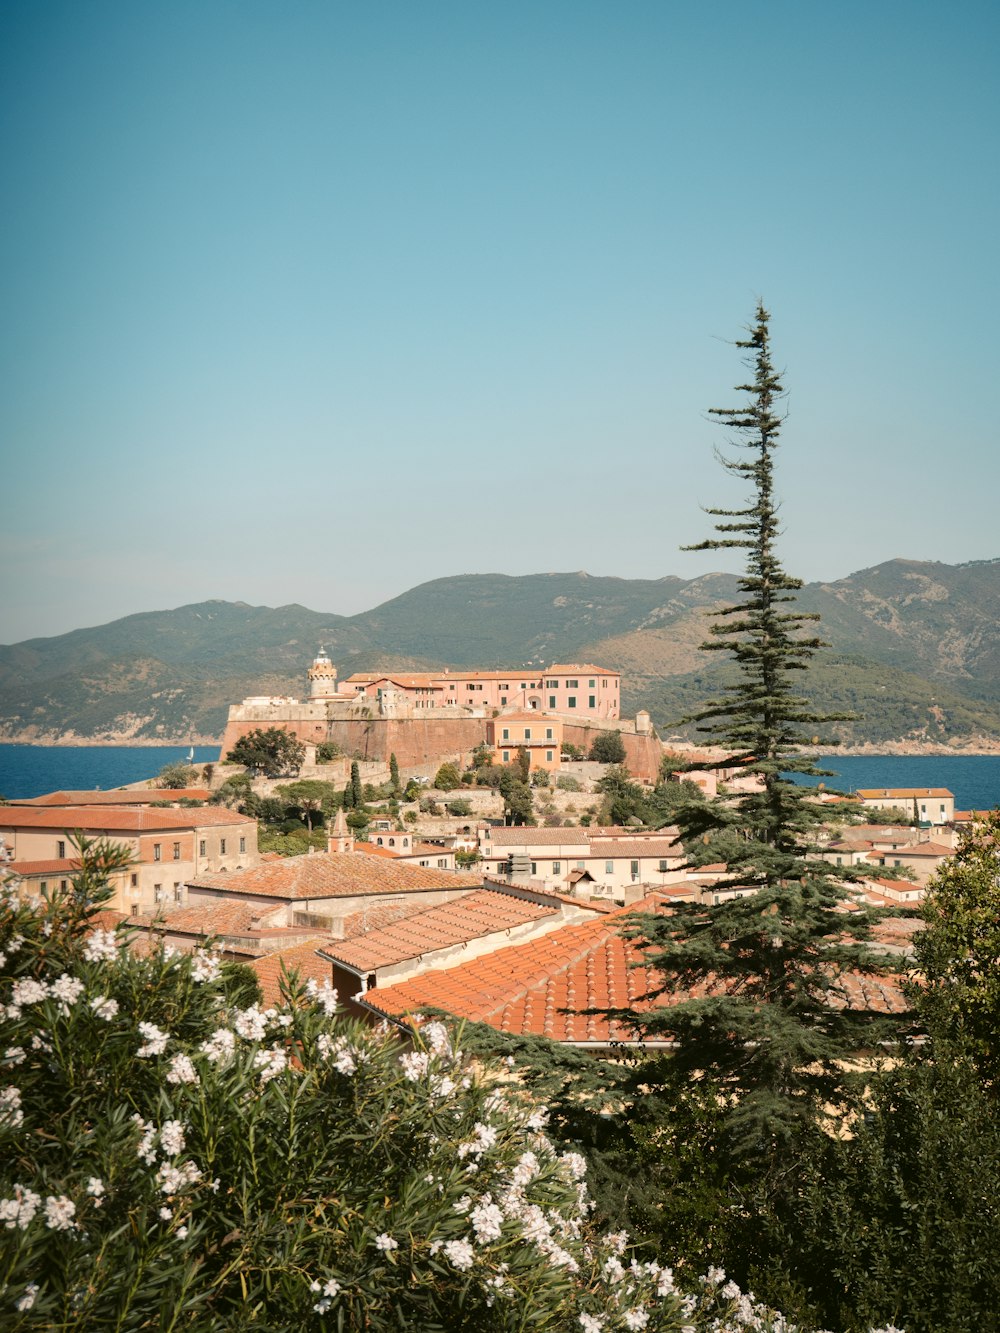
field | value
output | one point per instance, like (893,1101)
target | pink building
(569,688)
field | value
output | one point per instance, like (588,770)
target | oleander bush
(170,1159)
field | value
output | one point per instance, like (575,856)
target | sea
(33,770)
(974,779)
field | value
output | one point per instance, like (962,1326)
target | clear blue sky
(314,301)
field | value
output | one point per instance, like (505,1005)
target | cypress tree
(766,977)
(357,791)
(394,775)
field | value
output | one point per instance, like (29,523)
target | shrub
(461,807)
(566,782)
(327,751)
(447,777)
(217,1167)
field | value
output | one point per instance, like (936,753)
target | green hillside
(915,650)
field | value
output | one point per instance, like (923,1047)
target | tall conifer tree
(772,973)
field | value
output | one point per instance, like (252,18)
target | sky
(313,301)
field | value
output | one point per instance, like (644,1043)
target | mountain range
(914,651)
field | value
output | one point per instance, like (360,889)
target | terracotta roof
(558,667)
(145,820)
(335,875)
(545,986)
(301,958)
(126,797)
(375,915)
(468,918)
(519,836)
(65,867)
(217,918)
(523,988)
(909,792)
(373,849)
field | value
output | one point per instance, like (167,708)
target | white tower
(322,677)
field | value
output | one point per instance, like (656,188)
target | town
(420,901)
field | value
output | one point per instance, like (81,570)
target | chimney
(341,839)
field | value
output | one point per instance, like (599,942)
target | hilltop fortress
(421,716)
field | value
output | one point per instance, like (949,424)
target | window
(527,733)
(156,851)
(505,734)
(549,756)
(135,909)
(551,684)
(634,869)
(61,851)
(556,867)
(662,867)
(592,701)
(177,851)
(135,881)
(523,686)
(534,867)
(44,888)
(572,684)
(591,683)
(157,893)
(62,885)
(451,687)
(503,698)
(552,701)
(609,867)
(243,844)
(571,701)
(580,865)
(392,842)
(178,893)
(443,864)
(202,847)
(506,756)
(548,733)
(222,846)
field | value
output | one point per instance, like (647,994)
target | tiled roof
(546,986)
(468,918)
(126,797)
(541,837)
(218,918)
(523,988)
(301,958)
(65,867)
(557,667)
(335,875)
(373,849)
(375,915)
(907,792)
(117,820)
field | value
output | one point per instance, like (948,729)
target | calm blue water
(33,770)
(974,779)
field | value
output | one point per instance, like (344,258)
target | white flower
(19,1211)
(415,1064)
(59,1213)
(526,1170)
(67,990)
(591,1323)
(459,1254)
(11,1115)
(385,1243)
(331,1287)
(462,1205)
(14,1055)
(205,966)
(575,1164)
(104,1008)
(172,1138)
(487,1221)
(181,1070)
(250,1023)
(28,1299)
(715,1276)
(144,1148)
(28,991)
(436,1037)
(538,1119)
(95,1187)
(181,1232)
(156,1041)
(101,947)
(731,1291)
(442,1086)
(166,1213)
(636,1319)
(485,1137)
(270,1063)
(326,996)
(616,1241)
(173,1179)
(220,1047)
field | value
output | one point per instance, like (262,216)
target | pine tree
(768,1014)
